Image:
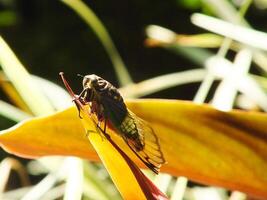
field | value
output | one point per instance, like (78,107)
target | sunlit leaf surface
(128,178)
(206,145)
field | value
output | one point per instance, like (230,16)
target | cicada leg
(98,130)
(78,107)
(88,132)
(105,128)
(82,93)
(79,97)
(102,132)
(105,125)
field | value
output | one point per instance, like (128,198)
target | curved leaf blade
(227,149)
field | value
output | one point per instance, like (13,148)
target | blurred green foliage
(190,4)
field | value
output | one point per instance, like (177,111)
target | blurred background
(49,37)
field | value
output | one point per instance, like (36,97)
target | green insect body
(109,107)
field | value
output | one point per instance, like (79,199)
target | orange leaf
(204,144)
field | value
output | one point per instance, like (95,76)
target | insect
(108,105)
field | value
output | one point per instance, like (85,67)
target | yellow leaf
(128,178)
(121,168)
(204,144)
(58,134)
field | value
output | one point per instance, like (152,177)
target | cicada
(108,105)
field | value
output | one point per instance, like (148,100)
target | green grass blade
(179,188)
(56,95)
(96,187)
(227,90)
(22,81)
(168,39)
(249,36)
(94,22)
(225,10)
(74,180)
(11,112)
(162,82)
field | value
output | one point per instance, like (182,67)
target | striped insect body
(107,104)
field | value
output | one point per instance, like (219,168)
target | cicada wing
(115,109)
(150,153)
(146,145)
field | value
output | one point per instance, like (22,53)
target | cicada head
(90,81)
(92,84)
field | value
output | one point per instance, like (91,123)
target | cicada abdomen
(108,105)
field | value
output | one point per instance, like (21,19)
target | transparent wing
(146,146)
(136,132)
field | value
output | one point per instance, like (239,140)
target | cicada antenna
(80,75)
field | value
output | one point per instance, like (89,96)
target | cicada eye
(86,81)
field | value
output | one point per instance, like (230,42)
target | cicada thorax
(104,98)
